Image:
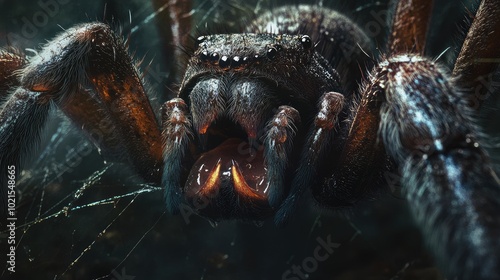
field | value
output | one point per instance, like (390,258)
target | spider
(263,116)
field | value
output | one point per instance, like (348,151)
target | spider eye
(214,57)
(204,55)
(306,42)
(236,62)
(224,61)
(271,53)
(200,40)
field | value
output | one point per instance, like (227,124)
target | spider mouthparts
(241,186)
(213,181)
(229,172)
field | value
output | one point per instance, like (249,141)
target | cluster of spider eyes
(224,61)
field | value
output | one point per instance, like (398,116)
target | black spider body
(243,79)
(271,70)
(264,116)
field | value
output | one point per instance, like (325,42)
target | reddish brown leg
(361,160)
(119,89)
(413,108)
(88,59)
(409,27)
(174,25)
(86,111)
(479,58)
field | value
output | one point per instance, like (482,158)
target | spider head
(234,86)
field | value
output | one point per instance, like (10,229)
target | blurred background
(83,218)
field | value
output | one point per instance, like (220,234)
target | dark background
(133,235)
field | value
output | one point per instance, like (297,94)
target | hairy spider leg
(23,112)
(479,57)
(10,62)
(410,23)
(116,81)
(358,168)
(363,159)
(277,149)
(323,131)
(85,60)
(428,130)
(176,138)
(342,43)
(446,175)
(174,21)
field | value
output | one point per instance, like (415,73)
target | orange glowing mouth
(230,165)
